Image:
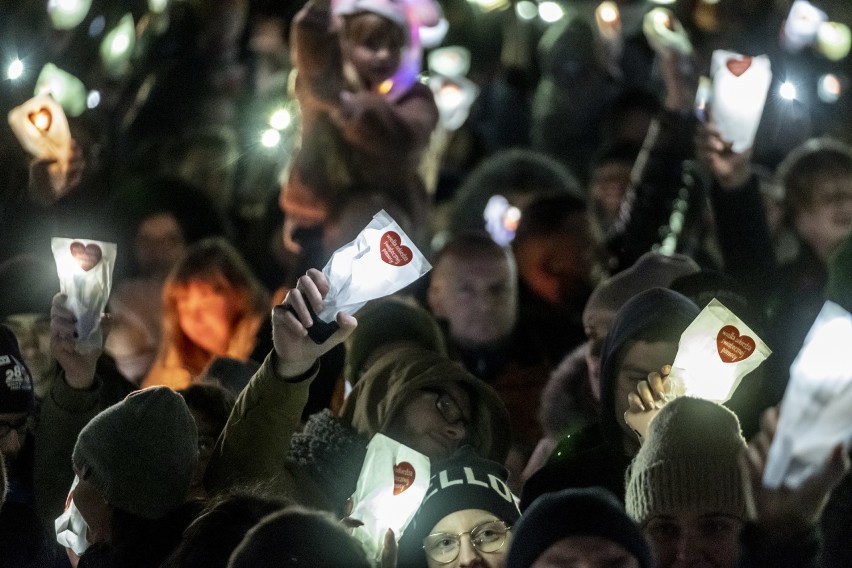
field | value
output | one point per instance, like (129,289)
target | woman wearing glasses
(466,518)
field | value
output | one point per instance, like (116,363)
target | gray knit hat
(689,462)
(140,454)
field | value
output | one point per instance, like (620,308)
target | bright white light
(550,12)
(787,90)
(280,119)
(664,2)
(16,69)
(93,99)
(158,6)
(829,88)
(526,10)
(491,5)
(270,138)
(608,12)
(120,43)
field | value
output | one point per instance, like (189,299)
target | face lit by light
(15,70)
(270,138)
(787,90)
(550,12)
(280,119)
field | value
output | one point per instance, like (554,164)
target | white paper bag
(85,275)
(801,25)
(740,84)
(393,482)
(40,125)
(70,527)
(664,32)
(380,261)
(816,413)
(714,353)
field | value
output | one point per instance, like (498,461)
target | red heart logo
(41,119)
(403,477)
(88,256)
(393,251)
(732,346)
(738,66)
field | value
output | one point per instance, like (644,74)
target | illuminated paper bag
(41,127)
(454,98)
(816,413)
(70,527)
(740,84)
(801,25)
(85,276)
(664,32)
(380,261)
(392,484)
(714,354)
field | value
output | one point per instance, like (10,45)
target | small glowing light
(270,138)
(451,95)
(787,90)
(526,10)
(280,119)
(550,12)
(93,99)
(829,88)
(664,2)
(97,26)
(834,40)
(67,14)
(158,6)
(16,69)
(492,5)
(42,119)
(119,44)
(385,86)
(608,12)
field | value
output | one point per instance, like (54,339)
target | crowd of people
(577,223)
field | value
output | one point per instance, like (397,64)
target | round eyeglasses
(444,547)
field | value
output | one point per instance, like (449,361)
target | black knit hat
(575,512)
(16,383)
(463,481)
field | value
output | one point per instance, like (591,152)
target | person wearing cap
(578,527)
(365,127)
(413,395)
(644,336)
(466,517)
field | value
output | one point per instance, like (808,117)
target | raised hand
(295,350)
(79,369)
(730,169)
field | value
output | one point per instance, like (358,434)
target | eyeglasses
(22,426)
(444,547)
(448,407)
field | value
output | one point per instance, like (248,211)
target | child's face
(373,45)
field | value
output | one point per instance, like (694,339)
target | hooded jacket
(320,466)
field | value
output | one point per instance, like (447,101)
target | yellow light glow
(385,87)
(834,40)
(42,119)
(608,12)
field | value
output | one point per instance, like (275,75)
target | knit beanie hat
(646,313)
(140,454)
(689,462)
(575,512)
(389,321)
(463,481)
(652,270)
(16,383)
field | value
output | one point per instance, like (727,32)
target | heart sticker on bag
(41,119)
(393,251)
(403,477)
(738,66)
(732,346)
(87,256)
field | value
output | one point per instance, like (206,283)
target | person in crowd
(643,338)
(474,293)
(23,539)
(578,527)
(465,519)
(298,537)
(560,261)
(365,127)
(212,306)
(410,394)
(160,218)
(609,180)
(210,406)
(212,537)
(384,325)
(697,490)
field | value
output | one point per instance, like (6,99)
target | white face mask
(71,528)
